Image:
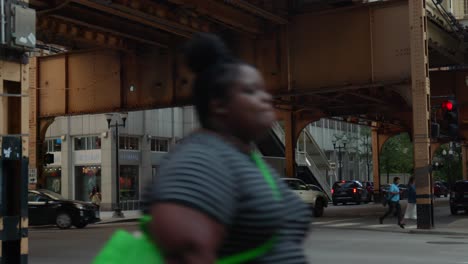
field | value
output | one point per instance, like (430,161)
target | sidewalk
(129,216)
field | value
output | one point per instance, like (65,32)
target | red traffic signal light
(447,105)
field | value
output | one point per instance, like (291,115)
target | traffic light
(450,118)
(48,158)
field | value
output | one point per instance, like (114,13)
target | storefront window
(128,182)
(86,178)
(53,177)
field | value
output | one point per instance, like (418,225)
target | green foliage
(397,155)
(452,166)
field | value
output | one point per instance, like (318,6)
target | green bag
(124,247)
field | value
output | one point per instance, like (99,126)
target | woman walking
(215,197)
(411,212)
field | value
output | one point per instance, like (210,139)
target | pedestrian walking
(411,212)
(214,197)
(393,197)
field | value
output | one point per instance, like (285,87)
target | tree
(397,155)
(451,170)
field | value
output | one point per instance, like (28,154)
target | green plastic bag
(124,247)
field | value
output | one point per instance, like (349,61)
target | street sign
(32,175)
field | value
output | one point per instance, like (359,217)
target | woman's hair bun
(205,50)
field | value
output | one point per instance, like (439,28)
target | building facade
(84,152)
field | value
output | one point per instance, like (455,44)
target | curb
(123,220)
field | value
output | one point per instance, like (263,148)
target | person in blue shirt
(393,197)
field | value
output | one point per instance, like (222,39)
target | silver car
(310,194)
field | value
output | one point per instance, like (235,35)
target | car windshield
(296,185)
(52,195)
(461,187)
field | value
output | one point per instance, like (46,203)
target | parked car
(49,208)
(459,197)
(349,191)
(440,189)
(314,196)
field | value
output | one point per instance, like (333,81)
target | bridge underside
(363,62)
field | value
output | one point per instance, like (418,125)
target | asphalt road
(358,247)
(73,246)
(327,245)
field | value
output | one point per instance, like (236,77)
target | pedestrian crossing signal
(49,158)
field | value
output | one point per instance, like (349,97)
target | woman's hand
(185,235)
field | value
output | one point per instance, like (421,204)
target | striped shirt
(212,176)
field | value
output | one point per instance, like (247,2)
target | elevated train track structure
(378,61)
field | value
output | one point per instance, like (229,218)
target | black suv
(459,197)
(49,208)
(349,192)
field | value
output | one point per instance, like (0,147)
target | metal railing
(314,151)
(279,132)
(303,159)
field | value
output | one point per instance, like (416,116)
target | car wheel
(446,195)
(319,208)
(81,225)
(358,202)
(453,210)
(335,203)
(63,221)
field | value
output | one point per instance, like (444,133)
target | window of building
(53,179)
(129,143)
(128,182)
(465,7)
(53,145)
(159,145)
(86,178)
(87,143)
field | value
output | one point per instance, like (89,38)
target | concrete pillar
(464,161)
(421,114)
(67,166)
(108,177)
(290,144)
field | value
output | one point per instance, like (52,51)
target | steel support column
(421,107)
(376,162)
(290,143)
(464,162)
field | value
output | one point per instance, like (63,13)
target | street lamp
(341,146)
(117,210)
(448,159)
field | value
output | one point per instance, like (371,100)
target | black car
(459,197)
(49,208)
(349,192)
